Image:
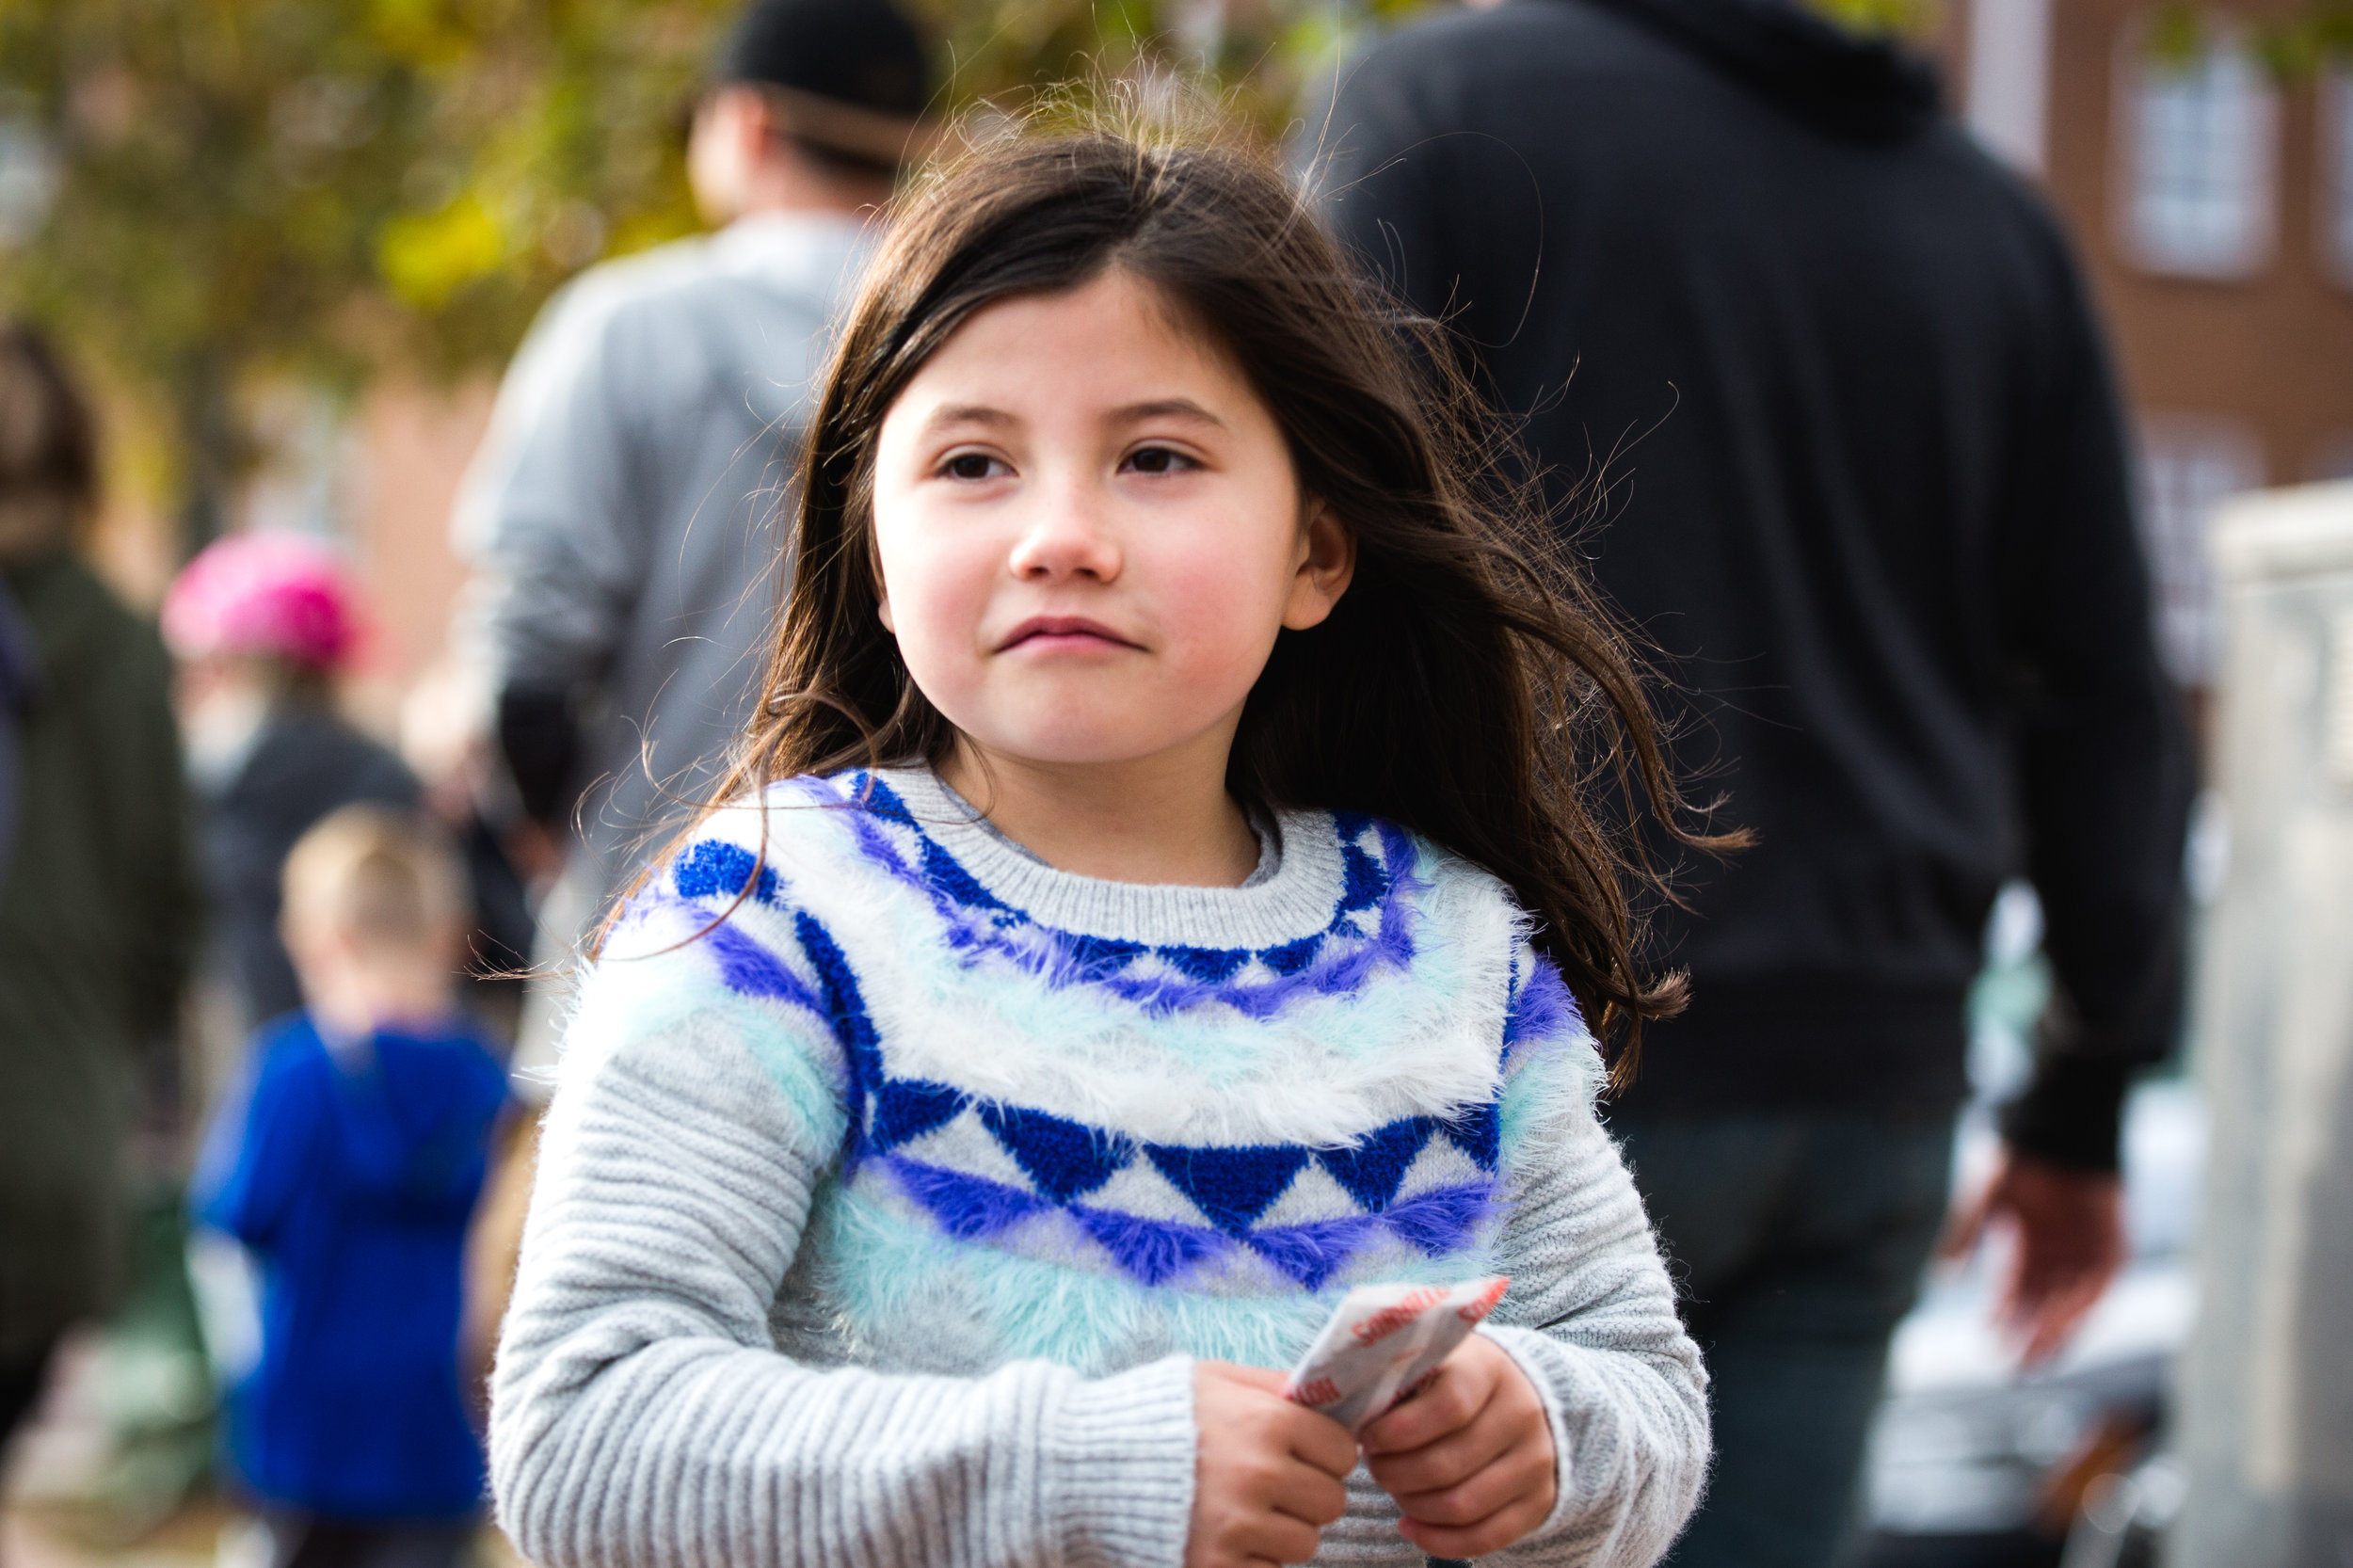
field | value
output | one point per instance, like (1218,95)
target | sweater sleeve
(1591,1318)
(2104,761)
(257,1154)
(641,1415)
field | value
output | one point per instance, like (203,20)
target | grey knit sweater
(895,1179)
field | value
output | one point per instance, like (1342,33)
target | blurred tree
(2296,42)
(212,193)
(238,190)
(1909,17)
(205,195)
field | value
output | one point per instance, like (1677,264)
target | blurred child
(264,624)
(348,1161)
(1160,889)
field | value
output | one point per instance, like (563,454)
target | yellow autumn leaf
(424,257)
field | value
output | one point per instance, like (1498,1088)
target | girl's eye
(972,465)
(1158,459)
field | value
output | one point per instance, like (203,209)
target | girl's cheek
(939,590)
(1226,590)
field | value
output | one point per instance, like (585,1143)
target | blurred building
(2213,203)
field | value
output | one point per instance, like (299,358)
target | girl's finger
(1451,1402)
(1467,1501)
(1312,1495)
(1318,1440)
(1451,1459)
(1491,1534)
(1268,1538)
(1280,1537)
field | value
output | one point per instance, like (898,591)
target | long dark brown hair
(1467,685)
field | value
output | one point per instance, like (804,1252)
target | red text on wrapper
(1390,1318)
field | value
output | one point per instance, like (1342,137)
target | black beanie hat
(866,54)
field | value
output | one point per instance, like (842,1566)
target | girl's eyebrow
(1181,407)
(981,413)
(968,413)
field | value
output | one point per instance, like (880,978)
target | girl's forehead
(1113,339)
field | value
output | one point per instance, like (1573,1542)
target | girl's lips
(1063,632)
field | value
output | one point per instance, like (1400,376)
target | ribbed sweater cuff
(1120,1467)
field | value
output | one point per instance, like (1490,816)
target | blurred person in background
(347,1160)
(98,901)
(263,624)
(622,513)
(1879,523)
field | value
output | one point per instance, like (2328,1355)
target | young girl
(1158,899)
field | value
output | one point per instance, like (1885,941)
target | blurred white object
(2118,1509)
(244,1543)
(227,1302)
(1966,1440)
(2266,1388)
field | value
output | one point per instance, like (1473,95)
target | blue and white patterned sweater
(894,1178)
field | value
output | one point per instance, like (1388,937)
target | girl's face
(1090,531)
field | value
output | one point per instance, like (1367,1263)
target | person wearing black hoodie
(1820,392)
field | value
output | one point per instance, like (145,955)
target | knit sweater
(894,1180)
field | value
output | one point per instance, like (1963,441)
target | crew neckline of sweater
(1262,827)
(1300,897)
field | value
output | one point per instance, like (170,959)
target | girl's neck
(1161,819)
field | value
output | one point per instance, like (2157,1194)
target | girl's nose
(1067,538)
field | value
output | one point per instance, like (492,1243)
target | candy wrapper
(1383,1344)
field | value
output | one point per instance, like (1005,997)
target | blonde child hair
(384,879)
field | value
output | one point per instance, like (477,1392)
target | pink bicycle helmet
(273,593)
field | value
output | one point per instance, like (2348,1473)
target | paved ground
(46,1520)
(202,1534)
(33,1537)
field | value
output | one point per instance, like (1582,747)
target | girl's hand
(1267,1476)
(1469,1459)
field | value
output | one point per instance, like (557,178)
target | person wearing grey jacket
(620,514)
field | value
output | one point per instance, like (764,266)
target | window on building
(2188,466)
(2199,135)
(2336,174)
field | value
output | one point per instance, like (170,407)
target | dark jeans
(306,1540)
(1796,1239)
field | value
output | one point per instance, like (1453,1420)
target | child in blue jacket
(347,1162)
